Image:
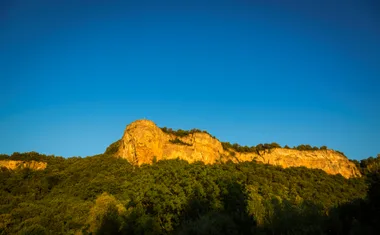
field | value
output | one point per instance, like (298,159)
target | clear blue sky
(73,74)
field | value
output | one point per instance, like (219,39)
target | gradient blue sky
(74,73)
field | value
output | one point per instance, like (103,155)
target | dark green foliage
(253,149)
(34,229)
(4,157)
(183,133)
(275,145)
(113,148)
(29,156)
(360,216)
(267,147)
(305,147)
(369,165)
(106,195)
(180,142)
(340,152)
(323,148)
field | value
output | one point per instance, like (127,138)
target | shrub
(180,142)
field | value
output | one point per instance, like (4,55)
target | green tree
(104,216)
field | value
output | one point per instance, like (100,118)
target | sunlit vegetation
(113,148)
(246,149)
(107,195)
(183,133)
(259,149)
(267,147)
(180,142)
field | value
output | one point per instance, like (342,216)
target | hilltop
(144,142)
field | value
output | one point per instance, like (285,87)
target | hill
(107,195)
(144,142)
(186,188)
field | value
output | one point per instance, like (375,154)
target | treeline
(247,149)
(262,147)
(368,165)
(183,133)
(113,148)
(239,148)
(32,156)
(107,195)
(306,147)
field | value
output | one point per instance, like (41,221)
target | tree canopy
(107,195)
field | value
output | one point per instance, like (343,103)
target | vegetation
(180,142)
(305,147)
(106,195)
(183,133)
(245,149)
(238,148)
(267,147)
(113,148)
(369,165)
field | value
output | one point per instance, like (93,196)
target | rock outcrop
(12,164)
(143,143)
(327,160)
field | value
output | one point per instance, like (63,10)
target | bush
(113,148)
(183,133)
(180,142)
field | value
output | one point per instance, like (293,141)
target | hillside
(107,195)
(144,142)
(192,184)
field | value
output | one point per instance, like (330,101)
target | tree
(113,148)
(275,145)
(104,217)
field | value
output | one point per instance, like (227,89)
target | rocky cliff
(144,142)
(34,165)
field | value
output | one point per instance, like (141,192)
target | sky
(74,74)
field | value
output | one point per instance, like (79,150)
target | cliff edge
(144,142)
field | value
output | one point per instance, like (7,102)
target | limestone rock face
(34,165)
(329,161)
(201,147)
(143,142)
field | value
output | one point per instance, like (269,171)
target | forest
(106,195)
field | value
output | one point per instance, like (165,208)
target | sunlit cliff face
(12,165)
(143,142)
